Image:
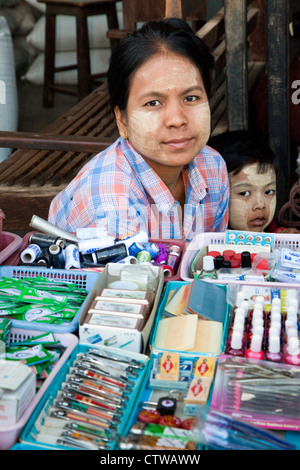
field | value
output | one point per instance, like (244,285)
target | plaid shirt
(119,191)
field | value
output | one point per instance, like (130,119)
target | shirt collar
(157,190)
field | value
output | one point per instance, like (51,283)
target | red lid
(252,256)
(238,256)
(229,253)
(213,253)
(235,263)
(170,420)
(148,416)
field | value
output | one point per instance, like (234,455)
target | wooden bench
(43,164)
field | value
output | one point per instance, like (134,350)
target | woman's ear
(121,122)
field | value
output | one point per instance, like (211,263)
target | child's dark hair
(241,148)
(173,35)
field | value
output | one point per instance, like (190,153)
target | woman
(159,176)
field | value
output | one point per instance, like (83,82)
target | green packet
(44,314)
(46,339)
(29,356)
(43,297)
(41,282)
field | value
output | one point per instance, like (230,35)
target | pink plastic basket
(10,243)
(9,435)
(287,240)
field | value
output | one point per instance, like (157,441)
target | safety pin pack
(88,407)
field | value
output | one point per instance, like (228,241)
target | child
(252,168)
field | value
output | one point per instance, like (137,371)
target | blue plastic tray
(27,438)
(83,279)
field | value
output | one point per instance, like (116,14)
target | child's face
(252,199)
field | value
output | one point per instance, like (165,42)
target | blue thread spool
(152,249)
(135,248)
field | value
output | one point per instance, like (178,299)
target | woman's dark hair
(241,148)
(172,34)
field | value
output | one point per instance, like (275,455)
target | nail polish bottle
(292,354)
(273,352)
(236,345)
(255,350)
(208,268)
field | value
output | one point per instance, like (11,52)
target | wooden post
(237,63)
(173,9)
(278,90)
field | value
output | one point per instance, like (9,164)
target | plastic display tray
(83,279)
(9,435)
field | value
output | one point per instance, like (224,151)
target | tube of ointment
(44,226)
(72,257)
(31,253)
(94,244)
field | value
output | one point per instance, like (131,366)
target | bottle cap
(274,344)
(208,263)
(236,340)
(240,298)
(246,259)
(293,345)
(260,300)
(293,301)
(226,264)
(256,342)
(229,253)
(235,263)
(219,262)
(213,253)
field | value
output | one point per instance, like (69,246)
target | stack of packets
(88,408)
(40,300)
(23,368)
(119,315)
(193,319)
(192,375)
(40,353)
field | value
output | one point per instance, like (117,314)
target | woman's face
(167,119)
(252,199)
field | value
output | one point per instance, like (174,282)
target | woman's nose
(175,115)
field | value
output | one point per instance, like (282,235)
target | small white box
(18,387)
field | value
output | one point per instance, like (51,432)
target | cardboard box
(132,338)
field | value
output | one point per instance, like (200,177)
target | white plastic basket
(288,240)
(9,435)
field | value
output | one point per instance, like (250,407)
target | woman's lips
(178,144)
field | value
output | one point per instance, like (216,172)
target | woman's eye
(152,103)
(191,98)
(244,193)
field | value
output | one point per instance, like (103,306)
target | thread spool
(72,259)
(31,253)
(46,227)
(57,257)
(44,241)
